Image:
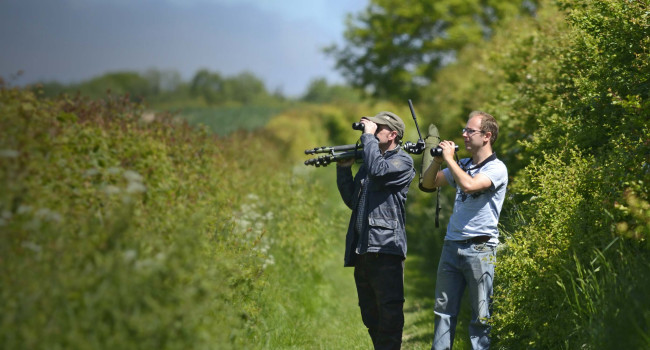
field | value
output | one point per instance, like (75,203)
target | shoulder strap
(492,157)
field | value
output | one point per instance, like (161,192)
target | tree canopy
(395,47)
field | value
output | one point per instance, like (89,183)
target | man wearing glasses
(469,250)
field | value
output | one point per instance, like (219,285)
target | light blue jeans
(464,265)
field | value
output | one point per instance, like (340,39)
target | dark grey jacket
(389,177)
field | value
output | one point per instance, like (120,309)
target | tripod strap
(438,208)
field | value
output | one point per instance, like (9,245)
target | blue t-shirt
(477,214)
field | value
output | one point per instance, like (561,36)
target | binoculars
(437,152)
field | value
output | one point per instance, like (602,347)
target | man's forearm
(345,184)
(430,175)
(463,179)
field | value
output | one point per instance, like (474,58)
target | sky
(280,41)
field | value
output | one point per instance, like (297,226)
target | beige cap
(389,119)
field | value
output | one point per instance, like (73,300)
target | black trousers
(380,287)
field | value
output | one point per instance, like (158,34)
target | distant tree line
(205,88)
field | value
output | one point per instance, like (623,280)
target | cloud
(73,40)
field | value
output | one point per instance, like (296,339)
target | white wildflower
(9,153)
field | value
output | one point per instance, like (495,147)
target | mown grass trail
(420,271)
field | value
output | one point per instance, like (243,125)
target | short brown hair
(488,124)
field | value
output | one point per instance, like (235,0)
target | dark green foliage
(394,48)
(570,91)
(573,90)
(207,85)
(243,88)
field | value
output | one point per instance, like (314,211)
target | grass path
(419,284)
(322,312)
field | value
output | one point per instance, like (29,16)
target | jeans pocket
(482,247)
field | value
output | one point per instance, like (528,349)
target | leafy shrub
(577,95)
(570,91)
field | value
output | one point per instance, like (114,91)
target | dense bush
(570,90)
(572,87)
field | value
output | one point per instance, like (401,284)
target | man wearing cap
(376,238)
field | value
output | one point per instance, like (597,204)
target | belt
(476,240)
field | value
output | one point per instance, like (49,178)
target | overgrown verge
(116,232)
(125,229)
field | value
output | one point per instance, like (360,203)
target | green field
(224,120)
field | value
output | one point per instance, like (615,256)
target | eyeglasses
(469,131)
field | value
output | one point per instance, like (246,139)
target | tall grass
(607,300)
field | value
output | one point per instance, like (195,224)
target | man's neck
(391,147)
(482,154)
